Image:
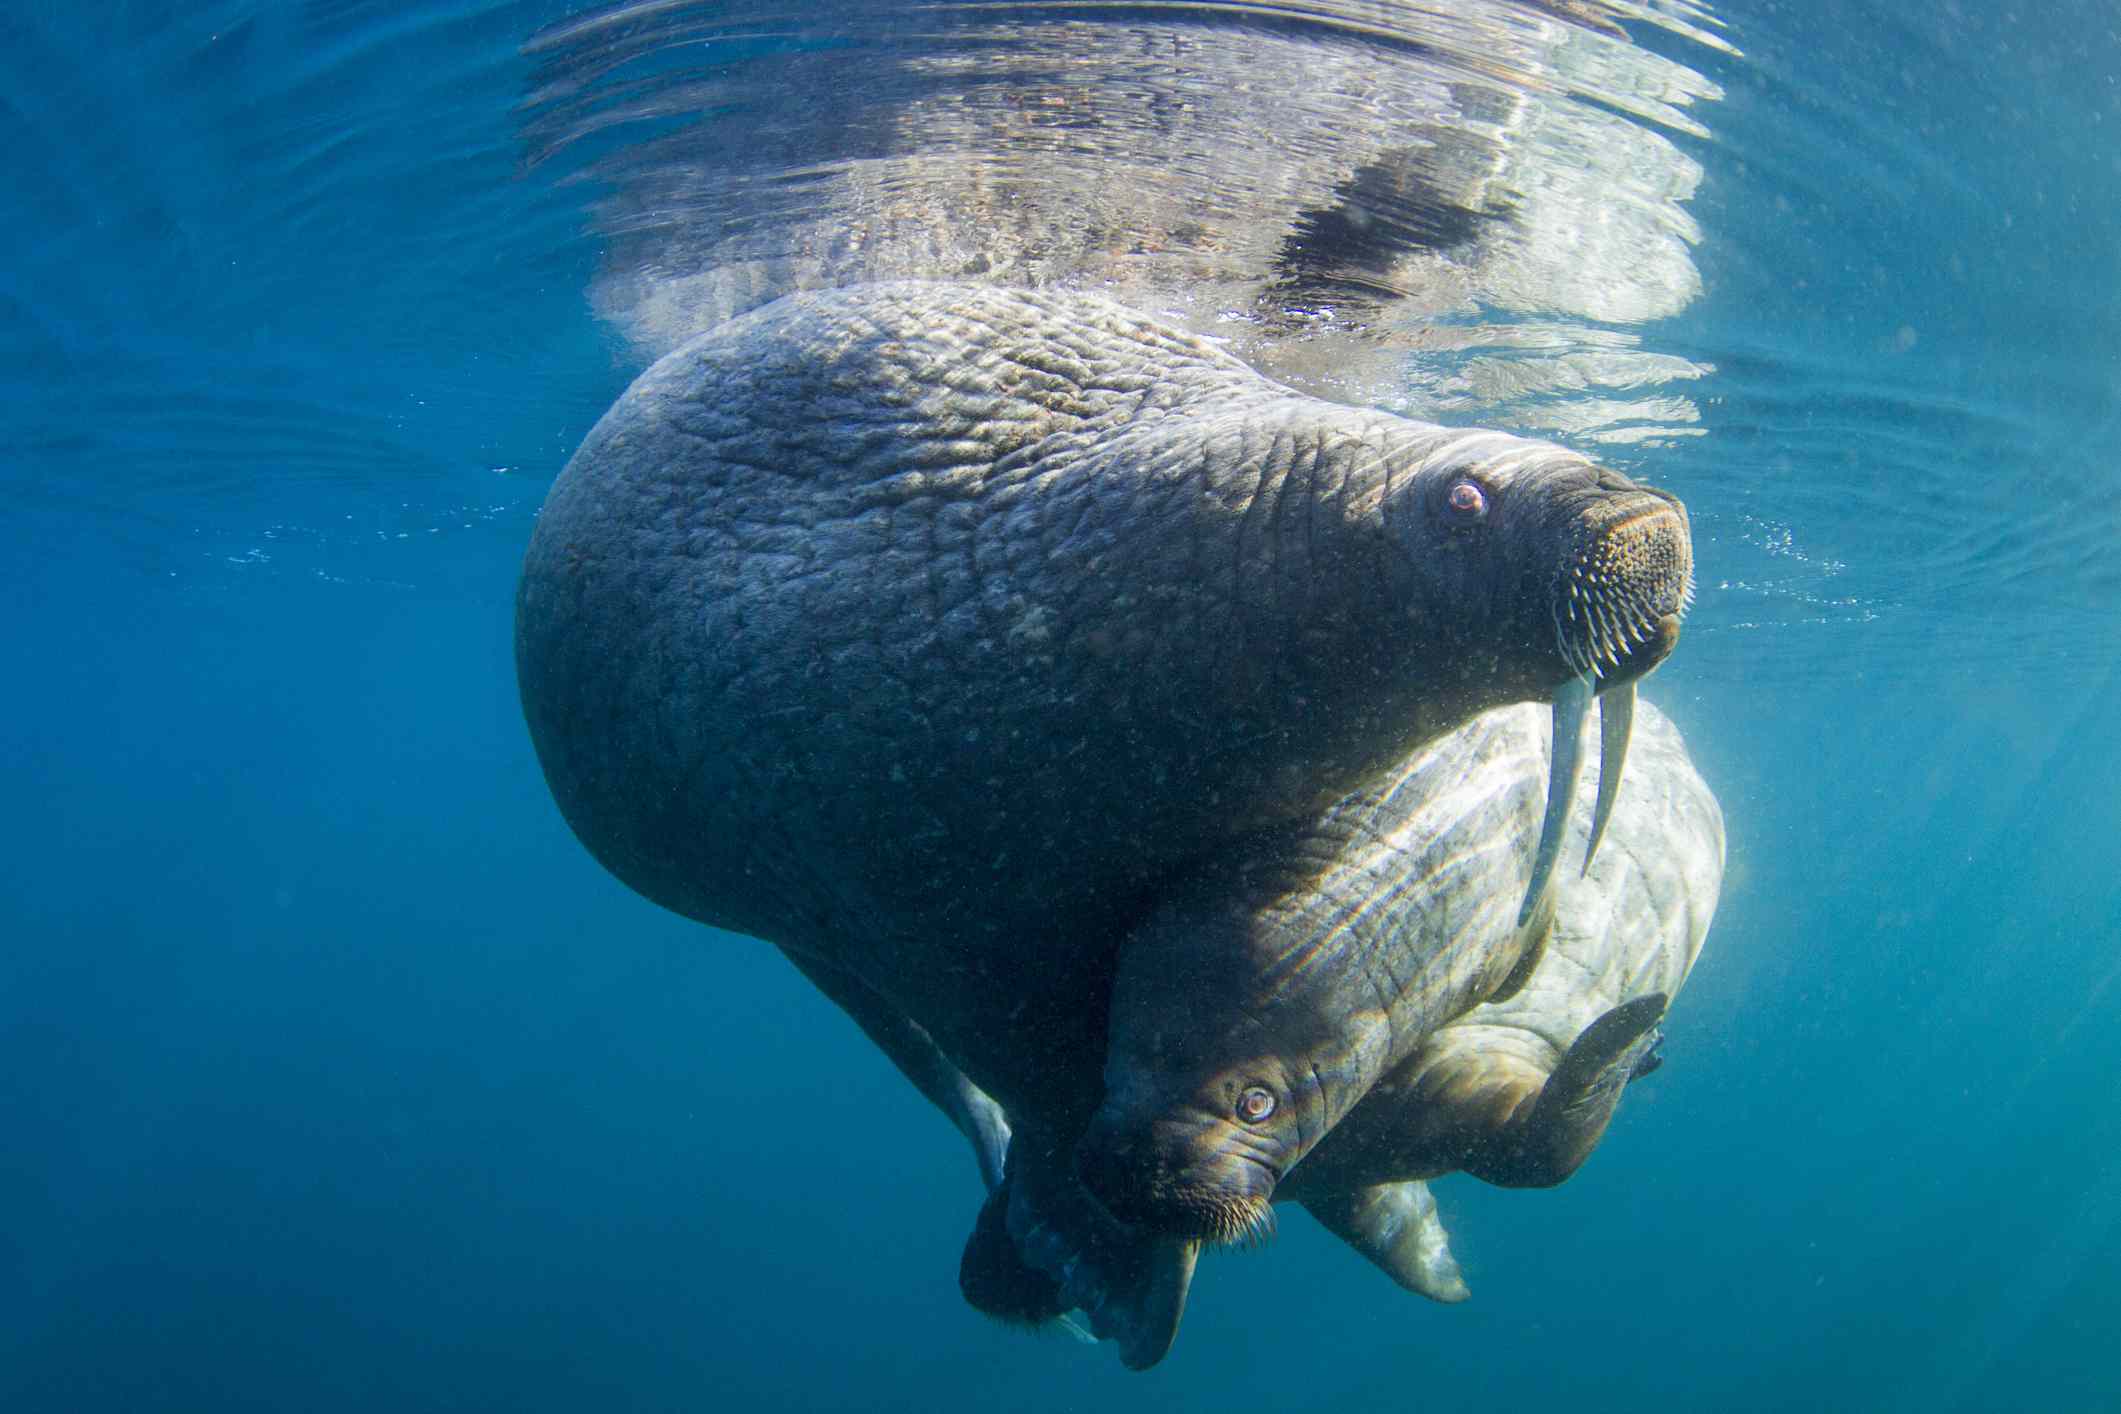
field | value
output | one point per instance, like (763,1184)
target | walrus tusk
(1571,704)
(1616,720)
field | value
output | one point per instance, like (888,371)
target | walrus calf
(940,633)
(1265,994)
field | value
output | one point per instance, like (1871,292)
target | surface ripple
(1330,187)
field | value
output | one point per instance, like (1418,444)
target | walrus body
(1518,1090)
(942,634)
(1290,976)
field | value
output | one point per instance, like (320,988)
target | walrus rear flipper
(994,1277)
(1576,1103)
(1397,1227)
(1143,1310)
(1056,1250)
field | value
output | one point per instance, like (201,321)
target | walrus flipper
(1143,1313)
(1397,1227)
(995,1279)
(1576,1103)
(920,1060)
(1652,1058)
(1054,1250)
(992,1274)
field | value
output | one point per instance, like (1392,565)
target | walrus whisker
(1261,1226)
(1242,1224)
(1616,633)
(1578,650)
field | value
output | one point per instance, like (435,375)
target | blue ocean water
(335,1075)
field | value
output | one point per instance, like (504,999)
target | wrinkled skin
(941,634)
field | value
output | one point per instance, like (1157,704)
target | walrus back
(705,616)
(829,606)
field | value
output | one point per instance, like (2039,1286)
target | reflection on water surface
(1330,187)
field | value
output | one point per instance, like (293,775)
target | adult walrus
(935,633)
(1517,1091)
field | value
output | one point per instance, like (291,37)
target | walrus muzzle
(1179,1179)
(1617,602)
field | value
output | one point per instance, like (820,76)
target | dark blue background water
(334,1075)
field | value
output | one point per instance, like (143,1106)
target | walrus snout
(1194,1181)
(1619,598)
(1657,641)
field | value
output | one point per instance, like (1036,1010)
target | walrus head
(1572,580)
(1207,1106)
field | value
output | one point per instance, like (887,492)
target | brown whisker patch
(1619,587)
(1241,1223)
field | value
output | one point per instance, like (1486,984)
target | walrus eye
(1255,1104)
(1467,501)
